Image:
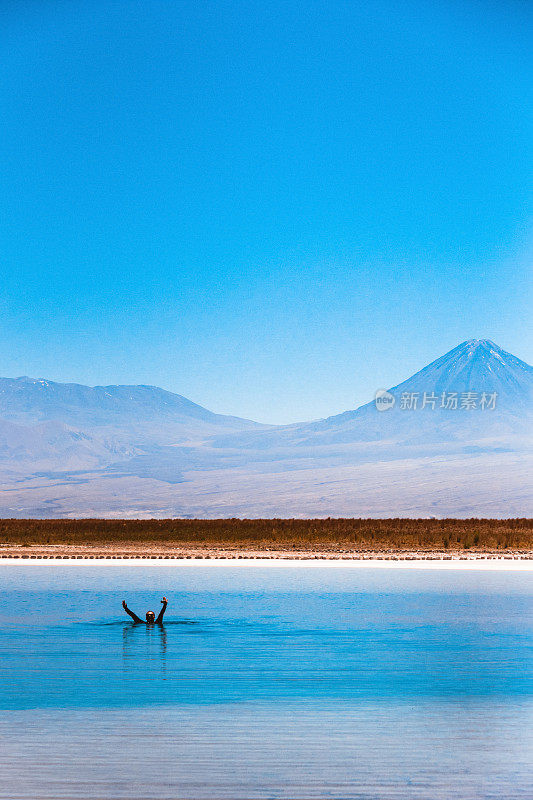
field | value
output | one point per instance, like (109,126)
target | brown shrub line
(355,534)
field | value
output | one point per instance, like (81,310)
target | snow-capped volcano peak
(477,365)
(475,343)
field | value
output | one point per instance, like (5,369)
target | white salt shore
(486,563)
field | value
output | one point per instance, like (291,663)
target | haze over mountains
(455,440)
(42,421)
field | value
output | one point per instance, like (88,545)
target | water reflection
(144,643)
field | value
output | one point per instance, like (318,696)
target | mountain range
(455,439)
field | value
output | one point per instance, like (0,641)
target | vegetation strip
(324,539)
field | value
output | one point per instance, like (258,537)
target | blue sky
(271,208)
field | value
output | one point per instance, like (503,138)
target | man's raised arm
(132,614)
(162,612)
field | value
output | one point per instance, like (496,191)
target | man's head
(150,616)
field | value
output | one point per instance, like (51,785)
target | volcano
(475,391)
(476,395)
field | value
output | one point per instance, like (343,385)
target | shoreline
(488,565)
(213,557)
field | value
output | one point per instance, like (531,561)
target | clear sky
(272,208)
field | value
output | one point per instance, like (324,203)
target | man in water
(150,616)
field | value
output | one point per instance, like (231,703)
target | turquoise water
(265,683)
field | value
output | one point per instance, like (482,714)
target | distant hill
(35,399)
(47,423)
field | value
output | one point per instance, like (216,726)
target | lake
(265,683)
